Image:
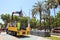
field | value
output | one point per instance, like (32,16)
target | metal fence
(40,33)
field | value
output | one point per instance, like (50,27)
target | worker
(18,25)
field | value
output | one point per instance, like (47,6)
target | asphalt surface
(4,36)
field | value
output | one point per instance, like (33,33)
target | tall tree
(47,6)
(5,18)
(8,18)
(58,19)
(58,1)
(45,16)
(33,23)
(37,8)
(54,5)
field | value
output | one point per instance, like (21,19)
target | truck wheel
(14,34)
(7,32)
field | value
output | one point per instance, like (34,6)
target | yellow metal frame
(14,29)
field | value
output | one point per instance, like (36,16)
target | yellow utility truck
(12,27)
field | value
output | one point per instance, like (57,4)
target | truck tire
(7,32)
(13,33)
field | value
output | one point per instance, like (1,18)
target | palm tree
(54,5)
(58,1)
(47,8)
(44,17)
(37,8)
(5,18)
(50,4)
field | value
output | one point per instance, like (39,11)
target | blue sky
(9,6)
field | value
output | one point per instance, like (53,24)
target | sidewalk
(39,38)
(55,35)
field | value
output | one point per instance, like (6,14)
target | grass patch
(53,38)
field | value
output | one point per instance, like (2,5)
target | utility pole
(29,19)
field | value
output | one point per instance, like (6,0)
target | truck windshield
(23,26)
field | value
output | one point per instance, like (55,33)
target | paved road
(4,36)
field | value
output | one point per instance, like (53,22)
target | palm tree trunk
(40,19)
(32,16)
(49,21)
(44,25)
(55,17)
(54,12)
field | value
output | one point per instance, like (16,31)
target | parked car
(56,30)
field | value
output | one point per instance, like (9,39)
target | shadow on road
(22,36)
